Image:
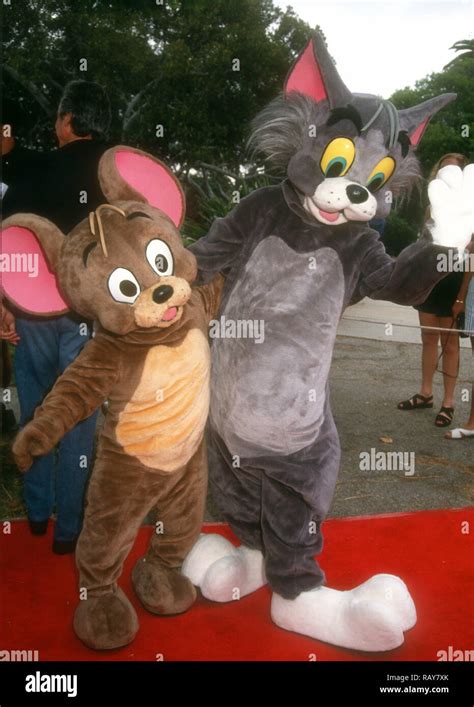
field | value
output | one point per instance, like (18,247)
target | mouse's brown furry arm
(211,295)
(83,386)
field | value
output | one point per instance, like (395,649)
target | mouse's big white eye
(123,286)
(160,258)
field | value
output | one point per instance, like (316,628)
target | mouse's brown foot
(106,621)
(162,590)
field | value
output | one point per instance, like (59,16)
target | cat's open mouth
(331,216)
(334,218)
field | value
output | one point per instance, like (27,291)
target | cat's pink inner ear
(26,276)
(306,76)
(153,181)
(416,135)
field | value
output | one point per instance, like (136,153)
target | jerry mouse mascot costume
(294,256)
(126,268)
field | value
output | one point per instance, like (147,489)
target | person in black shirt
(21,174)
(72,187)
(65,194)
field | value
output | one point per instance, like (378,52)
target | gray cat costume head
(346,153)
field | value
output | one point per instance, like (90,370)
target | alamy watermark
(44,682)
(455,655)
(387,461)
(20,262)
(455,262)
(19,655)
(224,328)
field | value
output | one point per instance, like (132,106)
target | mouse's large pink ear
(128,174)
(30,254)
(315,75)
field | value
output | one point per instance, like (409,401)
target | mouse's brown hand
(29,443)
(83,386)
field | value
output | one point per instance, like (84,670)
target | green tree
(199,68)
(464,45)
(450,130)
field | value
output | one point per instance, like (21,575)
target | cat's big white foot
(393,592)
(222,571)
(340,618)
(209,548)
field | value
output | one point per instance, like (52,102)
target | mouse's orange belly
(163,424)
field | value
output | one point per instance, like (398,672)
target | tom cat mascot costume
(294,256)
(126,267)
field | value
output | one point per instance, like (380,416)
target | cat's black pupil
(128,288)
(373,186)
(334,170)
(161,263)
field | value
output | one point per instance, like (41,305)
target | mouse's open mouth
(170,314)
(151,316)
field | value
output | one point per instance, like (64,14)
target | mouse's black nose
(357,194)
(162,293)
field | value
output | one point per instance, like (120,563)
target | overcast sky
(384,45)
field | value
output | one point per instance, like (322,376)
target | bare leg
(470,423)
(450,347)
(429,356)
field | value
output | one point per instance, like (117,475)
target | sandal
(444,417)
(416,402)
(459,433)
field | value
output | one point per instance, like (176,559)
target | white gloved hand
(451,197)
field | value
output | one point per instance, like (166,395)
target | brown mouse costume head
(125,265)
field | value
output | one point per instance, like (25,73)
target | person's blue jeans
(45,350)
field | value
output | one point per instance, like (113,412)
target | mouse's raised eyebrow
(136,214)
(85,254)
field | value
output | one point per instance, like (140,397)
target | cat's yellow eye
(381,173)
(337,157)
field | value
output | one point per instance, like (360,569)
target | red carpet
(429,550)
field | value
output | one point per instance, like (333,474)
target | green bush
(214,198)
(398,233)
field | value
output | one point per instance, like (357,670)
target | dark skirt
(443,295)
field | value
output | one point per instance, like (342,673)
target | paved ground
(368,320)
(371,372)
(368,378)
